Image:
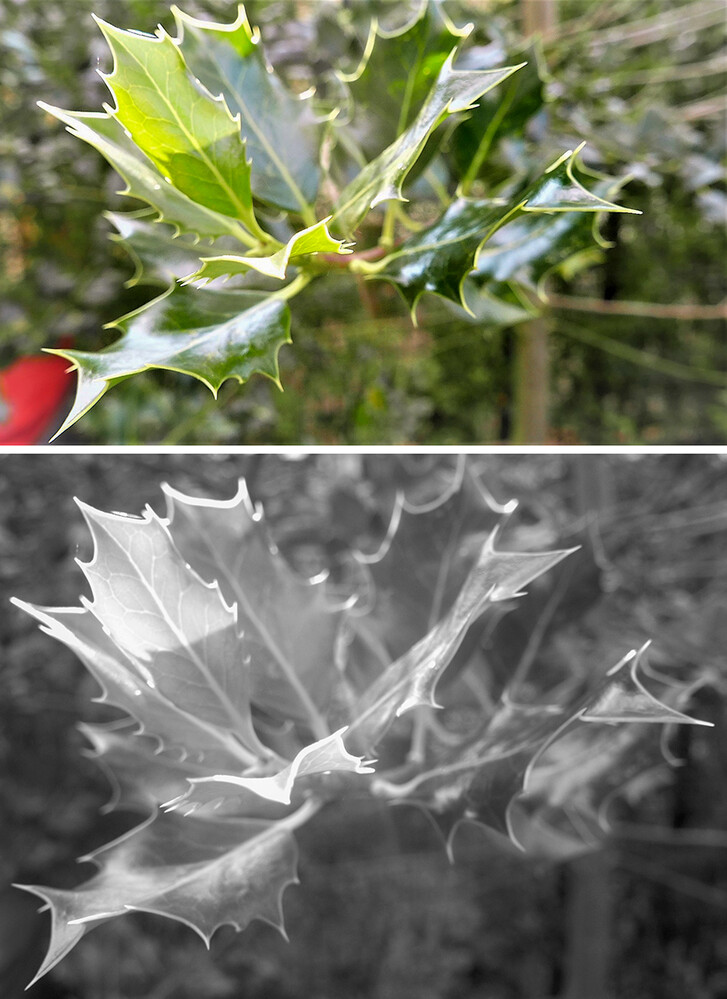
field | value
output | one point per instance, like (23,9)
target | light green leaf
(290,625)
(315,239)
(211,335)
(143,180)
(282,136)
(171,727)
(176,628)
(191,137)
(382,178)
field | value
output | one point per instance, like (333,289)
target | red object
(32,390)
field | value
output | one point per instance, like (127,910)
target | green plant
(252,699)
(286,189)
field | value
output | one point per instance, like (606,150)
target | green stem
(484,147)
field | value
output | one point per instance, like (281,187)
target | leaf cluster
(250,698)
(252,191)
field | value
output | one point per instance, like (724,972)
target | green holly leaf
(394,79)
(211,335)
(190,136)
(279,129)
(175,628)
(170,727)
(123,754)
(321,757)
(439,258)
(382,178)
(519,745)
(105,133)
(315,239)
(159,255)
(534,244)
(413,579)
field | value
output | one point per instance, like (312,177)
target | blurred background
(380,912)
(631,349)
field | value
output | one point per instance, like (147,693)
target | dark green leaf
(439,258)
(212,335)
(381,179)
(203,873)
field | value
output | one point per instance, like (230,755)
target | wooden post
(531,365)
(538,17)
(532,362)
(589,879)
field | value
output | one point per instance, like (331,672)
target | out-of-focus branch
(652,310)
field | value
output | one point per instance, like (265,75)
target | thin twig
(653,310)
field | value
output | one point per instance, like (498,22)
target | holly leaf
(482,777)
(622,697)
(123,754)
(280,131)
(315,239)
(394,79)
(440,257)
(190,136)
(412,679)
(321,757)
(143,180)
(382,178)
(288,622)
(204,873)
(178,631)
(416,574)
(172,728)
(160,256)
(209,334)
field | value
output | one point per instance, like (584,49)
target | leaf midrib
(305,209)
(236,718)
(318,725)
(244,212)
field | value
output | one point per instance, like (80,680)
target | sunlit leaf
(191,137)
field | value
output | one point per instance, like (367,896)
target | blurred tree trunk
(589,897)
(538,17)
(532,363)
(531,369)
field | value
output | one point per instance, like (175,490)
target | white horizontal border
(300,449)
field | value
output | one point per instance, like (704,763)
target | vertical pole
(589,879)
(531,369)
(531,374)
(538,17)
